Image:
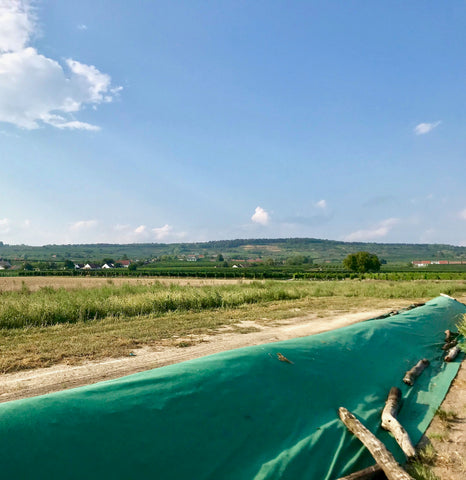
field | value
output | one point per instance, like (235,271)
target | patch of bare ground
(447,432)
(246,333)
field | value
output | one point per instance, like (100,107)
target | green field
(50,325)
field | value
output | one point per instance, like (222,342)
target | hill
(317,250)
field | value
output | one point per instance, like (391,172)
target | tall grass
(50,306)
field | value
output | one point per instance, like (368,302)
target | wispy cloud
(321,204)
(11,226)
(260,216)
(143,233)
(162,232)
(140,230)
(81,26)
(4,225)
(378,231)
(424,128)
(37,90)
(83,225)
(462,214)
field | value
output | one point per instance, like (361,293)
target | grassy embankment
(43,327)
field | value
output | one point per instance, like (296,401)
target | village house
(91,266)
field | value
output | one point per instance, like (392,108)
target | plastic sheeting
(241,414)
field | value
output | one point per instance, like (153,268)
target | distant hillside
(319,251)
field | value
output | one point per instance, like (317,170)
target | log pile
(451,346)
(391,468)
(389,421)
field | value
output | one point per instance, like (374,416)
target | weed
(441,437)
(421,467)
(446,416)
(420,471)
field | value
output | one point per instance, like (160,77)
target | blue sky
(163,121)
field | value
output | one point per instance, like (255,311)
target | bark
(452,353)
(391,423)
(382,456)
(450,344)
(366,474)
(448,336)
(411,375)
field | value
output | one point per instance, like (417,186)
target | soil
(448,436)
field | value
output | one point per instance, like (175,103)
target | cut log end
(452,354)
(411,375)
(449,335)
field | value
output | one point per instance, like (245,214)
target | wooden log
(366,474)
(411,375)
(382,456)
(452,353)
(450,344)
(391,423)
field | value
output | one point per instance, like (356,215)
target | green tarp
(241,414)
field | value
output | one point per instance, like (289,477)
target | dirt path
(60,377)
(447,432)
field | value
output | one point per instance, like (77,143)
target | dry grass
(35,347)
(11,284)
(114,336)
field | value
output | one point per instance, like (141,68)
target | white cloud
(16,24)
(424,128)
(162,232)
(127,233)
(378,231)
(8,226)
(321,204)
(83,225)
(260,216)
(81,26)
(141,229)
(4,225)
(36,90)
(462,214)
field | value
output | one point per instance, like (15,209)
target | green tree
(69,265)
(298,260)
(220,258)
(362,262)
